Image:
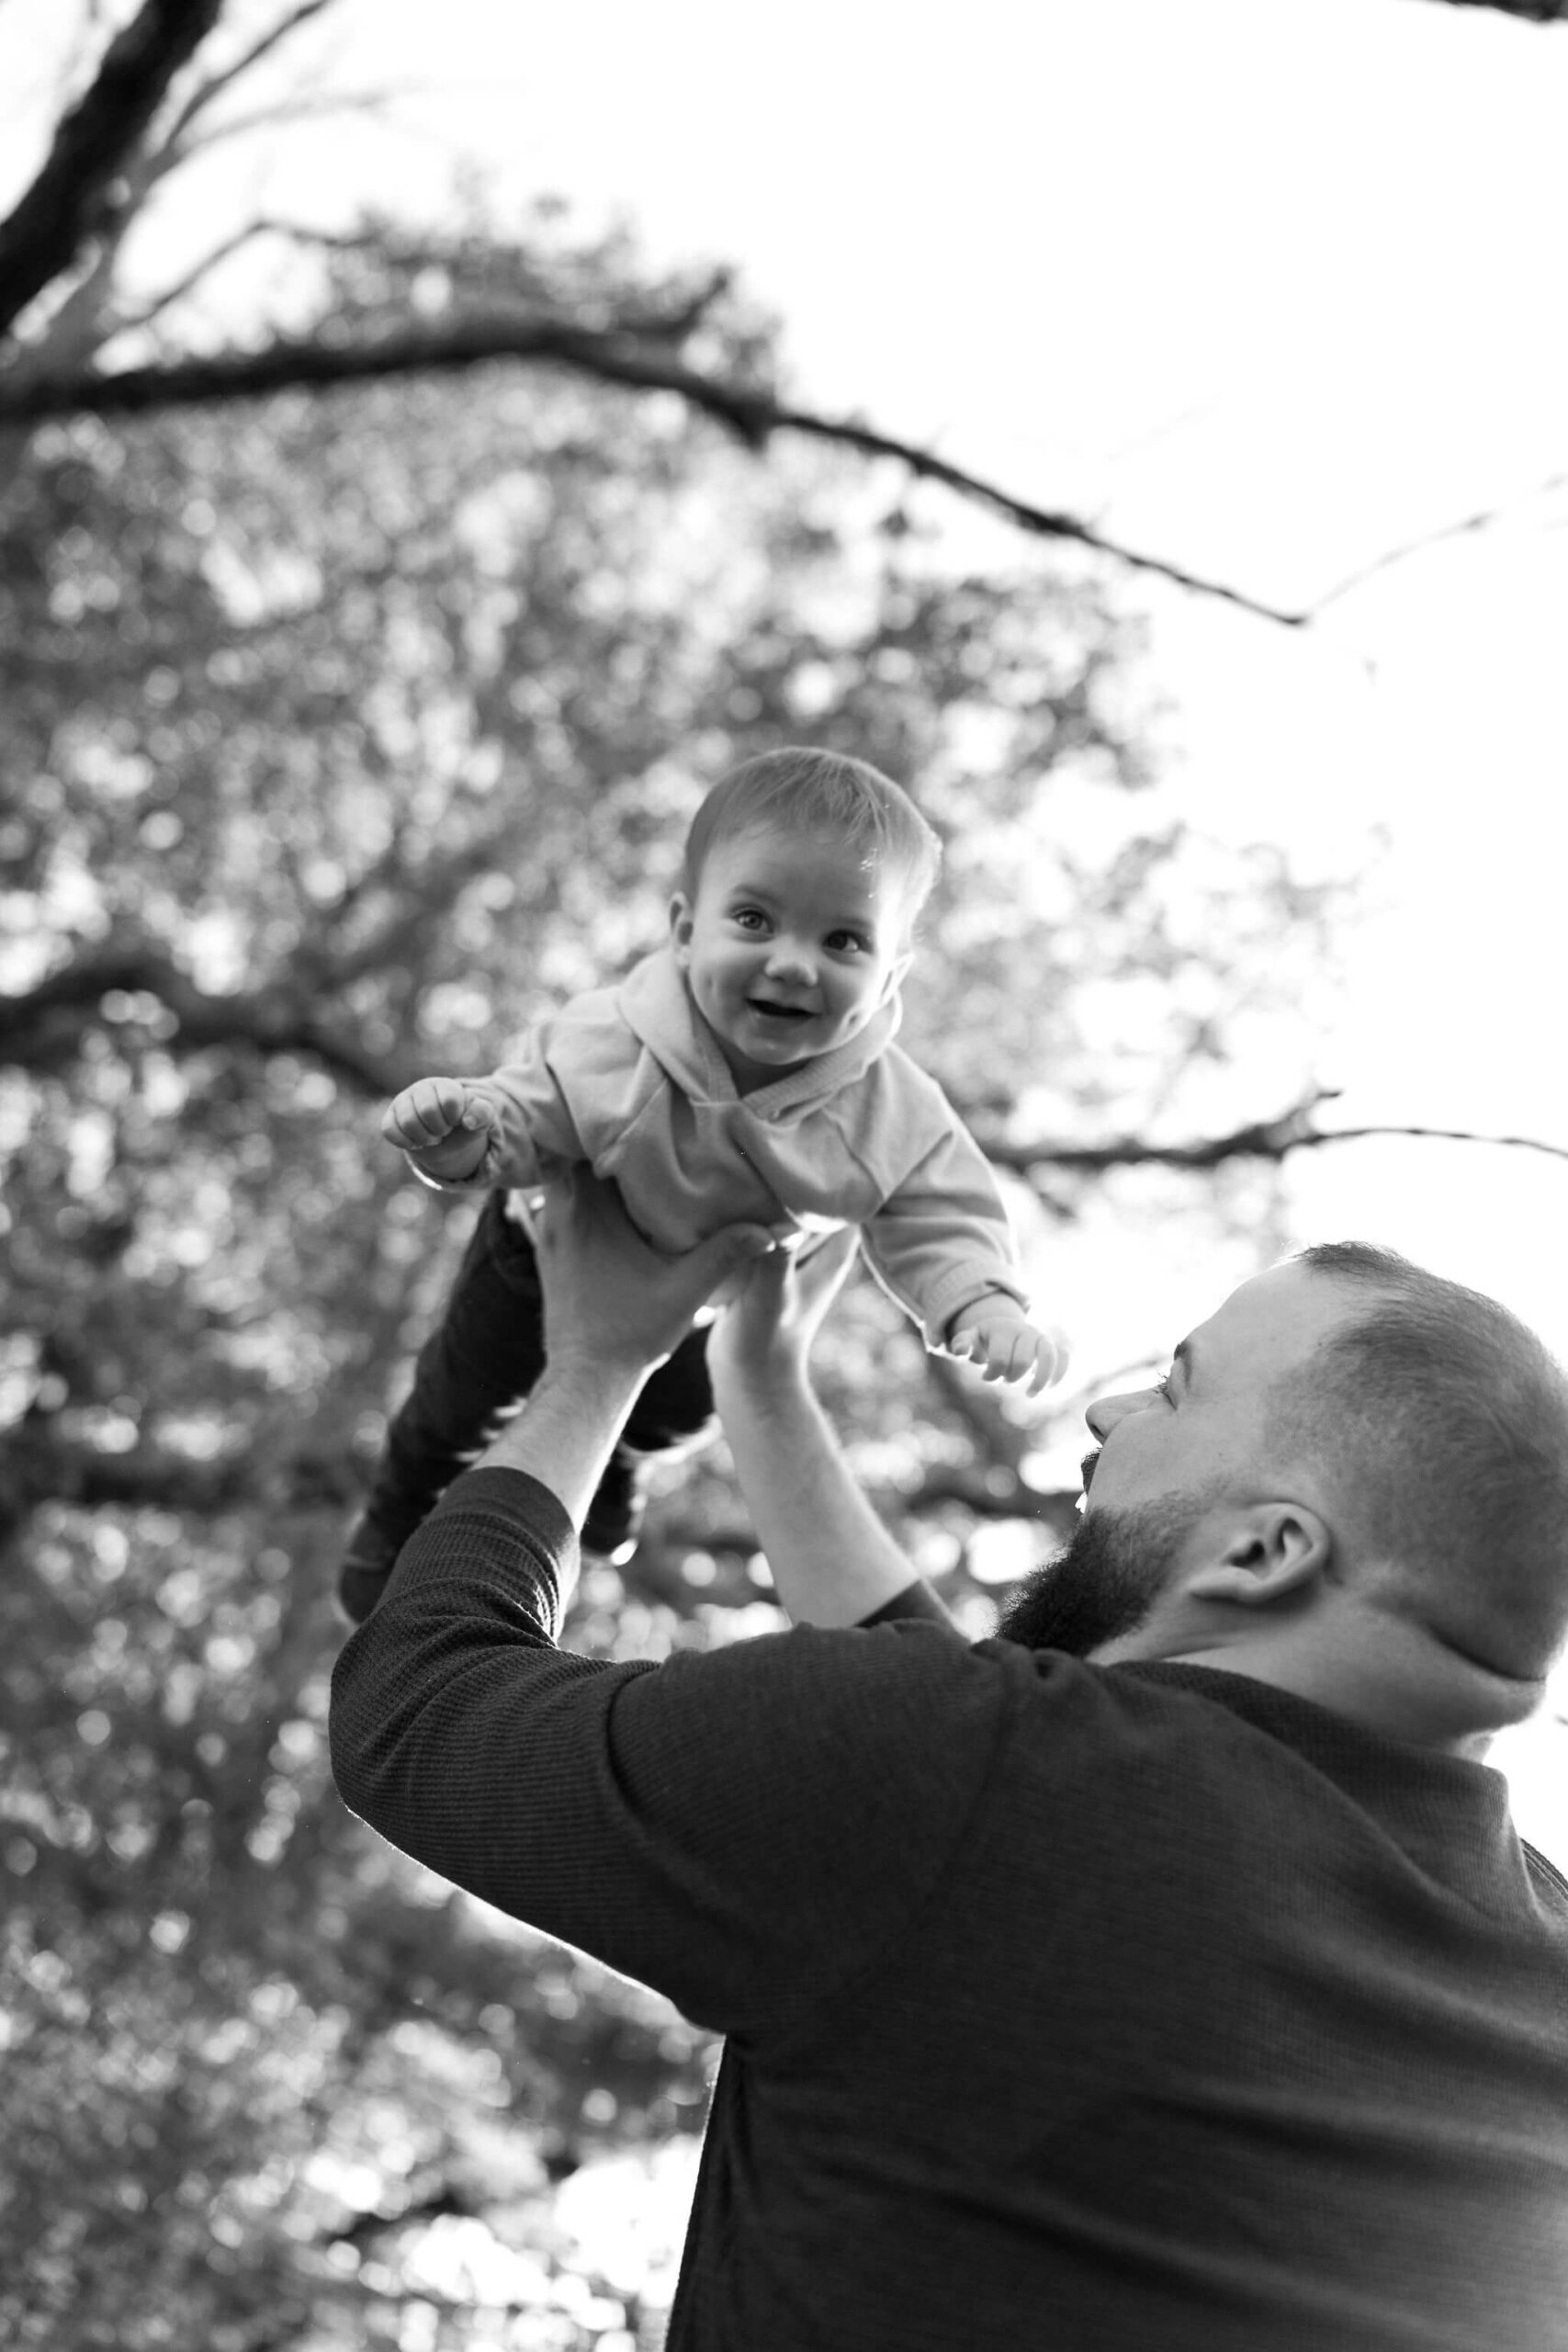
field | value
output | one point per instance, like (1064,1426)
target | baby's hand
(442,1124)
(993,1333)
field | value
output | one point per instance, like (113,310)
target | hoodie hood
(657,1005)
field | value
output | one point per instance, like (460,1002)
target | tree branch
(36,1466)
(42,1030)
(1293,1130)
(285,112)
(72,193)
(1533,12)
(289,363)
(216,83)
(159,303)
(1433,538)
(981,1492)
(38,1463)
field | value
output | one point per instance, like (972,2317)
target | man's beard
(1105,1583)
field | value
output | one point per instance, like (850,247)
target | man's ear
(1274,1552)
(681,928)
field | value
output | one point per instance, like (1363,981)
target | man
(1164,1975)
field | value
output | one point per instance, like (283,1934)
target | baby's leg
(473,1371)
(471,1375)
(675,1409)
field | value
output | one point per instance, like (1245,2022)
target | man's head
(1353,1482)
(804,874)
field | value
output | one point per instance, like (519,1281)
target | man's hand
(610,1300)
(444,1126)
(765,1335)
(993,1333)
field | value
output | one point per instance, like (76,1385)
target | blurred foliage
(340,738)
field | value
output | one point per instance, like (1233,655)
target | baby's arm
(943,1246)
(506,1129)
(991,1331)
(444,1126)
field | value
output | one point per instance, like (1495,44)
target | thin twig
(287,112)
(341,241)
(216,83)
(1433,539)
(1273,1140)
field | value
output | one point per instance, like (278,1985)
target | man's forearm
(567,1430)
(833,1562)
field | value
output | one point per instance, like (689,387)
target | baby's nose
(792,956)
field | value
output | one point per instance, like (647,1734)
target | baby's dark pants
(481,1361)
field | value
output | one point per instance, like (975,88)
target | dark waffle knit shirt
(1141,2009)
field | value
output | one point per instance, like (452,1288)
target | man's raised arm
(833,1563)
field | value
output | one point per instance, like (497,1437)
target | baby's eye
(750,917)
(847,943)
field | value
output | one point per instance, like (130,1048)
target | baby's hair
(826,792)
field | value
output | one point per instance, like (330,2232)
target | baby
(743,1073)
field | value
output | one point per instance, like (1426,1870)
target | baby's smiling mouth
(785,1014)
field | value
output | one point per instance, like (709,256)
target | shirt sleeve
(943,1239)
(745,1829)
(917,1599)
(533,1124)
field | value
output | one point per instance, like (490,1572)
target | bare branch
(1435,538)
(38,1463)
(674,326)
(752,415)
(72,196)
(285,111)
(1533,12)
(980,1492)
(216,83)
(43,1029)
(1293,1130)
(224,252)
(39,1467)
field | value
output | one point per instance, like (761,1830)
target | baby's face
(789,947)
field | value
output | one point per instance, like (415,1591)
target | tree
(160,94)
(342,735)
(341,741)
(154,102)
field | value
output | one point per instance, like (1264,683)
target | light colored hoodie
(631,1080)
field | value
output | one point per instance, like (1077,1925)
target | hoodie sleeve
(533,1122)
(942,1237)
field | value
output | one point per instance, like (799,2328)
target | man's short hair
(822,792)
(1450,1417)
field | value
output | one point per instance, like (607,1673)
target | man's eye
(1162,1387)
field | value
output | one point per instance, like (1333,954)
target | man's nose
(1106,1411)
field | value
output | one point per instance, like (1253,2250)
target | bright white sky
(1268,287)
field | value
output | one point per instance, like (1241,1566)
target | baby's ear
(680,926)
